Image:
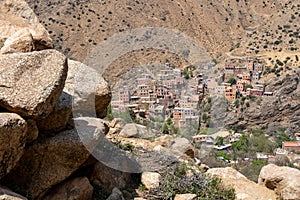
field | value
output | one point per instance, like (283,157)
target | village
(176,94)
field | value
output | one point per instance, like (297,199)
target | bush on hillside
(175,181)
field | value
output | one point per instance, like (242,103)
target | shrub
(175,181)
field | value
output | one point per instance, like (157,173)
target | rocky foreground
(42,154)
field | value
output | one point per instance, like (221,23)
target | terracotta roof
(291,144)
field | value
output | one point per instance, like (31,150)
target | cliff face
(272,113)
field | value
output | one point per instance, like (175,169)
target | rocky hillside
(79,26)
(52,131)
(271,113)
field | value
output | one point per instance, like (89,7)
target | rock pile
(41,149)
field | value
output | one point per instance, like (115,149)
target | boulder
(6,194)
(136,130)
(109,178)
(21,41)
(31,83)
(151,179)
(185,197)
(51,160)
(75,189)
(285,181)
(32,131)
(57,120)
(183,146)
(117,123)
(17,19)
(90,91)
(244,188)
(12,139)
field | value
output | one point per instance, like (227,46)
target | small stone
(151,179)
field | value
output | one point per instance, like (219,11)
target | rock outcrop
(244,188)
(285,181)
(20,29)
(271,113)
(31,83)
(12,137)
(41,93)
(48,162)
(75,189)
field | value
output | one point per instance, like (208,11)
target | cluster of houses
(246,75)
(288,147)
(211,139)
(161,96)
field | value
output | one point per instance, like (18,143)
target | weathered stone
(6,194)
(285,181)
(244,188)
(151,179)
(57,120)
(32,131)
(90,91)
(109,178)
(31,83)
(16,16)
(184,146)
(75,189)
(117,123)
(12,139)
(51,160)
(136,130)
(21,41)
(116,195)
(185,197)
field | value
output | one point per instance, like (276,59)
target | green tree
(165,129)
(220,141)
(186,74)
(109,115)
(232,81)
(169,121)
(204,117)
(142,114)
(248,86)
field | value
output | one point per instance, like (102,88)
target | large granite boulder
(12,139)
(20,29)
(285,181)
(75,189)
(244,188)
(31,83)
(51,160)
(109,178)
(57,120)
(91,93)
(183,146)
